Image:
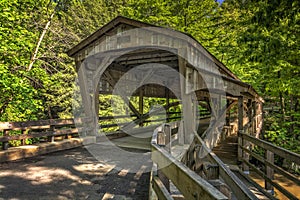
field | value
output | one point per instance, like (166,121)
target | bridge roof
(80,51)
(124,20)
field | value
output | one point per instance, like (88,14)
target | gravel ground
(76,174)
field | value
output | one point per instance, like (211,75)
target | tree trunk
(33,57)
(281,98)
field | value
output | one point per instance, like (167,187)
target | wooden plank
(191,185)
(160,190)
(294,157)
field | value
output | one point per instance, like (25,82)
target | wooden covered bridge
(202,130)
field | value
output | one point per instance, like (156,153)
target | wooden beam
(147,115)
(240,190)
(160,190)
(112,82)
(141,102)
(294,157)
(191,185)
(240,126)
(187,103)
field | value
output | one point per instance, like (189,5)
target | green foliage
(257,40)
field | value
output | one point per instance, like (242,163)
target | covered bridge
(128,58)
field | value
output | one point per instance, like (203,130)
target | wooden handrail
(275,149)
(41,129)
(237,186)
(40,124)
(187,181)
(294,157)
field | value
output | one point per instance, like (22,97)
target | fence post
(269,171)
(245,154)
(247,131)
(167,131)
(23,140)
(162,140)
(52,129)
(5,144)
(240,126)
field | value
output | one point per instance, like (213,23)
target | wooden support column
(246,144)
(96,108)
(86,99)
(240,126)
(141,102)
(228,119)
(228,113)
(254,122)
(255,118)
(167,103)
(187,103)
(269,155)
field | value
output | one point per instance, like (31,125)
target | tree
(262,47)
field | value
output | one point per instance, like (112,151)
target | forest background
(257,39)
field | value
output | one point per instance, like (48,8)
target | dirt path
(76,174)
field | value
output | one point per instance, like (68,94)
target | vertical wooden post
(254,123)
(187,103)
(52,129)
(240,126)
(228,113)
(5,145)
(86,97)
(228,118)
(269,171)
(167,104)
(167,131)
(23,140)
(96,101)
(246,144)
(141,103)
(164,141)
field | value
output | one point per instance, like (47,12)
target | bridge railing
(217,169)
(48,130)
(168,169)
(110,121)
(267,161)
(45,130)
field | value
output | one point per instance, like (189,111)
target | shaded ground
(76,174)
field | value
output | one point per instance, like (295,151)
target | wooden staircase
(227,149)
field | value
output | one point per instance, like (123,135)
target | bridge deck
(76,174)
(138,141)
(109,174)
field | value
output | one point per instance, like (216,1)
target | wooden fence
(269,166)
(42,130)
(48,130)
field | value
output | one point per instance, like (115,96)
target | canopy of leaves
(257,39)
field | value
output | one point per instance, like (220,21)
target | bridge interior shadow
(73,174)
